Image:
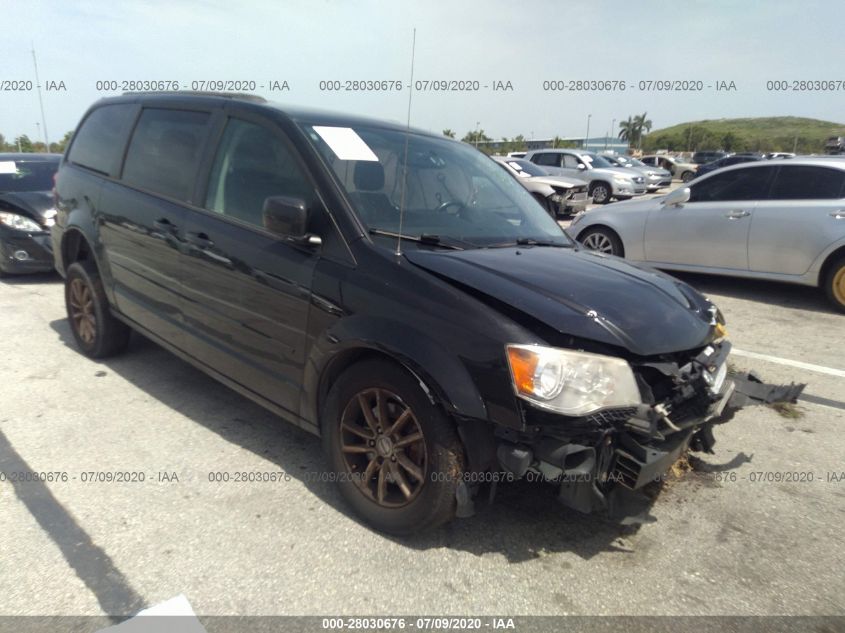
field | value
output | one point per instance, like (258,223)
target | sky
(524,42)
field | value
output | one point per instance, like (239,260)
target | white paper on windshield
(8,167)
(345,143)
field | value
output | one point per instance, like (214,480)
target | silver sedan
(783,221)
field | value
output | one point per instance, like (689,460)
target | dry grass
(787,410)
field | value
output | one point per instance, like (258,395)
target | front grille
(611,416)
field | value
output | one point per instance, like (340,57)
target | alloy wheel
(599,242)
(383,447)
(82,314)
(839,286)
(600,194)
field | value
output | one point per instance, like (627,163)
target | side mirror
(288,217)
(677,197)
(582,166)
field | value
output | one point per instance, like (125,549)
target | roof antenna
(405,160)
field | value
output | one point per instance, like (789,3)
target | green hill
(768,134)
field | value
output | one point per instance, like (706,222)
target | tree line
(25,144)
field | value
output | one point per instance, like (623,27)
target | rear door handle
(838,215)
(737,214)
(200,239)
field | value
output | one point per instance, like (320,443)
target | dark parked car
(26,212)
(707,156)
(393,291)
(735,159)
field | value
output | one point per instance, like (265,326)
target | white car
(779,220)
(558,195)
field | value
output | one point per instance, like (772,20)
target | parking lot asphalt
(745,532)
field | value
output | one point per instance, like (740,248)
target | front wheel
(835,284)
(395,456)
(687,176)
(603,240)
(600,192)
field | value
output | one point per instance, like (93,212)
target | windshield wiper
(529,241)
(423,238)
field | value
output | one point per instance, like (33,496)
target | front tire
(687,176)
(98,334)
(602,240)
(396,456)
(601,192)
(834,284)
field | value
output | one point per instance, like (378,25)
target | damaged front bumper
(601,461)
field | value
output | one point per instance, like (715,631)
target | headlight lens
(570,382)
(621,180)
(19,222)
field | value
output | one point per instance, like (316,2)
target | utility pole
(477,123)
(587,138)
(40,100)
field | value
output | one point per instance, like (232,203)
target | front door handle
(737,214)
(163,224)
(838,215)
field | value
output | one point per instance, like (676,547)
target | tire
(98,334)
(687,176)
(834,284)
(604,190)
(437,459)
(603,240)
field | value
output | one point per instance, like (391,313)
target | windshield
(630,161)
(596,161)
(452,191)
(525,168)
(25,175)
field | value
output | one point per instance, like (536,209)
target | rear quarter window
(99,141)
(808,182)
(164,152)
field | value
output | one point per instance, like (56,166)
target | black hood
(583,294)
(30,203)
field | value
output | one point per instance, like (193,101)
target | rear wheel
(98,334)
(603,240)
(396,456)
(600,192)
(835,284)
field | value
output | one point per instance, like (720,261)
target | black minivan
(390,290)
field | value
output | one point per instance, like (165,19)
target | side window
(165,151)
(98,143)
(570,161)
(738,184)
(548,159)
(647,160)
(251,165)
(806,182)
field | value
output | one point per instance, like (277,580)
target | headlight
(570,382)
(19,222)
(557,197)
(621,180)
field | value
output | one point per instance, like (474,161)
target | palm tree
(557,142)
(628,130)
(449,133)
(642,124)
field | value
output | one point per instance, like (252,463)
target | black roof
(295,113)
(30,157)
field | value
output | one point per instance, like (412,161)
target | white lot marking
(175,614)
(830,371)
